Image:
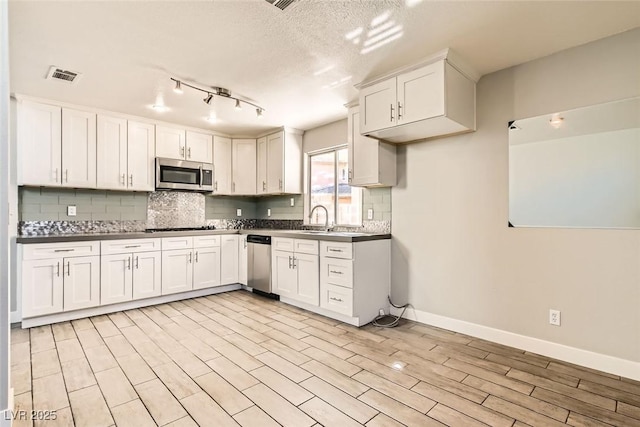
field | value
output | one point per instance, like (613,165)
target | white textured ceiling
(127,51)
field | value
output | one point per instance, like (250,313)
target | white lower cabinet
(177,271)
(295,273)
(243,260)
(130,276)
(206,268)
(229,259)
(197,266)
(52,283)
(147,274)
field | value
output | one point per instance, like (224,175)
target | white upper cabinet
(221,165)
(199,147)
(78,148)
(243,167)
(141,149)
(371,162)
(420,102)
(125,154)
(261,165)
(39,143)
(171,143)
(284,163)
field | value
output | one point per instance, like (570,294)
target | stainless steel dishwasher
(259,260)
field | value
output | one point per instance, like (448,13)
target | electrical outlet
(369,213)
(293,201)
(71,210)
(381,312)
(268,212)
(238,212)
(554,317)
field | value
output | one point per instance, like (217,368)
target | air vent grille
(63,75)
(281,4)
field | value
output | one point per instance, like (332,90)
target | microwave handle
(201,175)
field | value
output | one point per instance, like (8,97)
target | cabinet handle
(181,151)
(350,175)
(335,299)
(295,262)
(131,179)
(335,250)
(399,113)
(123,182)
(280,184)
(190,255)
(189,153)
(68,268)
(264,186)
(128,263)
(290,261)
(196,256)
(245,243)
(132,246)
(335,272)
(66,175)
(58,270)
(233,187)
(137,266)
(392,118)
(56,174)
(63,250)
(215,186)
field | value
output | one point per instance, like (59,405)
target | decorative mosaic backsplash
(45,228)
(173,209)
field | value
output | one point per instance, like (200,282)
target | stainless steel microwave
(183,175)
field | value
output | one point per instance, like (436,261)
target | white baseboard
(601,362)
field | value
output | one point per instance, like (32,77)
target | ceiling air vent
(63,75)
(281,4)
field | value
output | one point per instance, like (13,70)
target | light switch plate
(293,201)
(268,212)
(369,213)
(71,210)
(238,212)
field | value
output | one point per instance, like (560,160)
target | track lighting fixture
(217,91)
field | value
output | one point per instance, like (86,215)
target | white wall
(326,136)
(454,255)
(4,211)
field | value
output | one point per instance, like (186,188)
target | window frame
(307,187)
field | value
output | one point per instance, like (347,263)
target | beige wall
(453,253)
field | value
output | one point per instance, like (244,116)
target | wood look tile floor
(237,359)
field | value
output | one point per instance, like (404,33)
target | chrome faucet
(326,215)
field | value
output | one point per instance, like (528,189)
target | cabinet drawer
(336,298)
(56,250)
(337,271)
(336,249)
(129,246)
(305,246)
(282,244)
(206,241)
(169,243)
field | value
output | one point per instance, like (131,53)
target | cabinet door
(42,288)
(116,278)
(378,106)
(206,268)
(244,166)
(421,93)
(147,274)
(284,277)
(308,270)
(221,165)
(261,166)
(170,143)
(141,156)
(363,153)
(78,148)
(112,153)
(275,163)
(39,144)
(199,147)
(229,260)
(81,282)
(243,261)
(177,271)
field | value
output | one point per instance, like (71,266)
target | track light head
(208,99)
(238,106)
(178,88)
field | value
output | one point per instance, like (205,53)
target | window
(329,187)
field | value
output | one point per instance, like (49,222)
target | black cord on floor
(389,320)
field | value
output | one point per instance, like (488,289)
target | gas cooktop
(158,230)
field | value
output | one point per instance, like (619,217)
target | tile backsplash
(172,209)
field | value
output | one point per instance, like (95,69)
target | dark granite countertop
(335,236)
